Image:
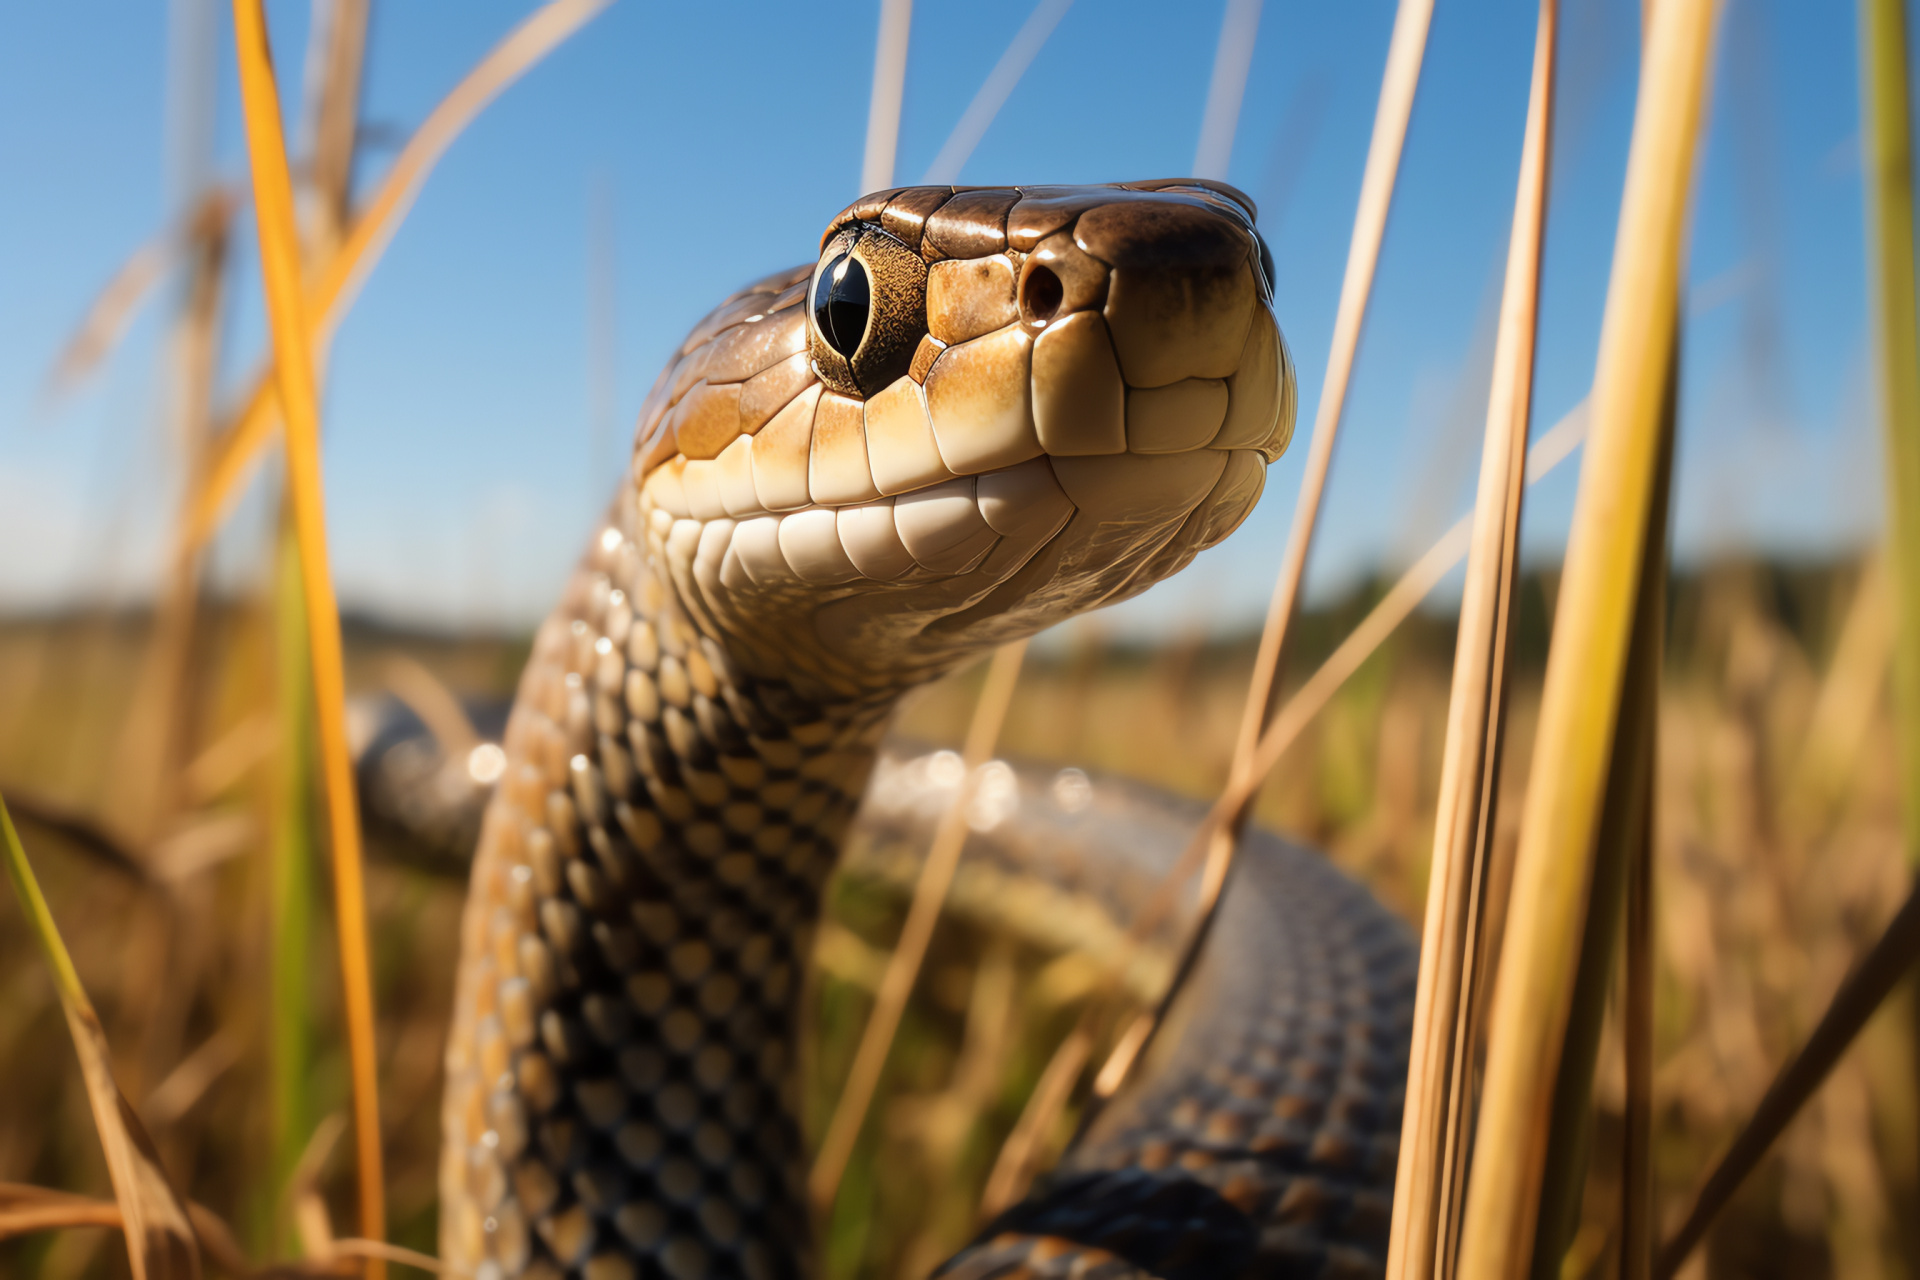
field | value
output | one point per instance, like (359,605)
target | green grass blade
(290,879)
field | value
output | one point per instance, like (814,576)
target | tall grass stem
(1427,1202)
(332,292)
(903,966)
(1887,143)
(290,878)
(889,89)
(299,406)
(160,1237)
(1587,666)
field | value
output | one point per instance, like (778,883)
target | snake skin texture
(1260,1137)
(979,412)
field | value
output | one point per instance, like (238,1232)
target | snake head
(977,412)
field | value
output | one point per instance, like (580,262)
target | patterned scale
(585,1146)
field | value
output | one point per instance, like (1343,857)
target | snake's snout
(978,410)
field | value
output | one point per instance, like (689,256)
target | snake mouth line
(943,530)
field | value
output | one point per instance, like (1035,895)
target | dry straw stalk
(160,1238)
(1586,671)
(903,966)
(299,406)
(332,293)
(1405,53)
(1426,1210)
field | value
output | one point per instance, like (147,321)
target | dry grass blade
(299,404)
(889,88)
(106,321)
(332,293)
(25,1209)
(350,1247)
(1427,1204)
(157,732)
(1886,132)
(81,831)
(1232,60)
(1587,666)
(160,1238)
(187,1083)
(1864,990)
(1404,56)
(903,967)
(995,91)
(1824,767)
(228,759)
(1012,1168)
(336,55)
(428,697)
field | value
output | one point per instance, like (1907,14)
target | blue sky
(464,466)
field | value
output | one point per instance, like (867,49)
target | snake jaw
(841,431)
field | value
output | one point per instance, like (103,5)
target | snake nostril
(1041,294)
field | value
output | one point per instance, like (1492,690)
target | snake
(974,414)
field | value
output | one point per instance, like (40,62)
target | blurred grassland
(1778,847)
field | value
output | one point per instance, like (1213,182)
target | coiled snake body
(979,412)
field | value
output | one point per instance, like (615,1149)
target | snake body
(978,412)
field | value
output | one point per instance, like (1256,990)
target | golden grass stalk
(1587,668)
(332,292)
(1427,1200)
(1622,840)
(299,405)
(903,967)
(1886,135)
(160,1237)
(1859,996)
(1404,55)
(889,88)
(1013,1167)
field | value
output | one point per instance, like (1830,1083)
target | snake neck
(621,1071)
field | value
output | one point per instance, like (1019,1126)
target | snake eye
(842,301)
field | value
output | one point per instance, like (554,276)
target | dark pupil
(841,302)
